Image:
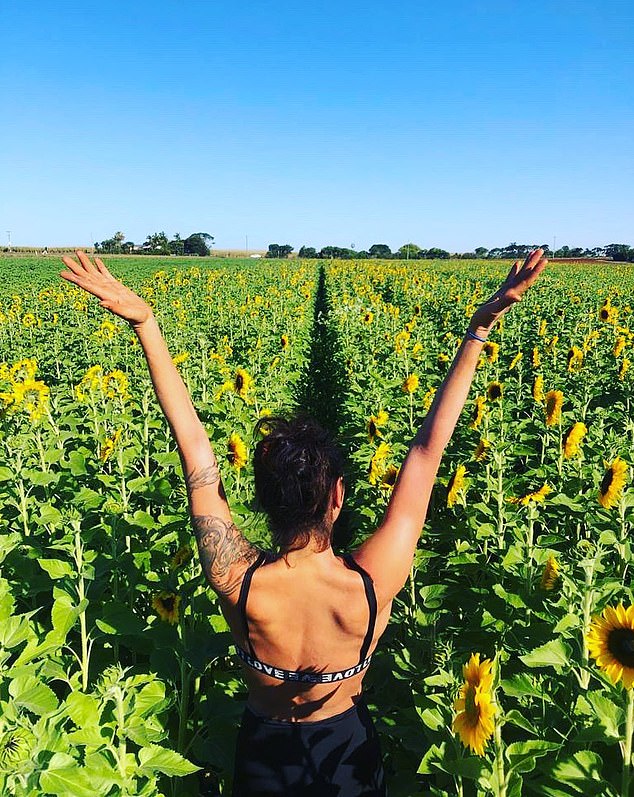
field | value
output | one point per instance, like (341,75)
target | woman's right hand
(517,282)
(112,294)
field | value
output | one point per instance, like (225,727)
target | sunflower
(32,396)
(572,439)
(554,401)
(538,388)
(401,341)
(575,359)
(494,391)
(23,370)
(625,367)
(619,346)
(515,360)
(368,317)
(482,450)
(388,479)
(377,463)
(611,643)
(180,358)
(539,496)
(115,384)
(478,412)
(107,330)
(608,313)
(491,350)
(542,328)
(410,385)
(456,485)
(536,358)
(552,344)
(15,747)
(29,320)
(182,556)
(550,576)
(428,398)
(166,605)
(612,483)
(110,443)
(374,424)
(242,381)
(237,451)
(284,341)
(474,720)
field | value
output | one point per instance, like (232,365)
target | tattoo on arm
(222,547)
(202,477)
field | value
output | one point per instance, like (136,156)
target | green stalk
(183,707)
(626,745)
(122,751)
(81,594)
(588,597)
(499,745)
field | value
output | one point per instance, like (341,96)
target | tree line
(198,243)
(411,251)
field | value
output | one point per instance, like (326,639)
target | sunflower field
(508,665)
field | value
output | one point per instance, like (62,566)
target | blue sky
(452,124)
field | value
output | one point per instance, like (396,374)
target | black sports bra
(306,676)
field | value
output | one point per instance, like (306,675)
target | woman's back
(308,612)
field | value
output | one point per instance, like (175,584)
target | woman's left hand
(517,282)
(112,294)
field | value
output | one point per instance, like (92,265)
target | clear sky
(451,123)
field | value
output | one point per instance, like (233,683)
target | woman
(306,621)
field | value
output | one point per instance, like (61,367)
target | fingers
(101,267)
(85,261)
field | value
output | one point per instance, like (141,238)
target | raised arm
(224,552)
(388,554)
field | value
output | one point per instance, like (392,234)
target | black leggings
(336,757)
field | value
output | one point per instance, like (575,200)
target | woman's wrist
(480,335)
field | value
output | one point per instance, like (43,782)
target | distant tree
(196,244)
(111,246)
(481,251)
(380,250)
(408,252)
(279,250)
(128,247)
(308,252)
(157,244)
(437,254)
(619,252)
(177,245)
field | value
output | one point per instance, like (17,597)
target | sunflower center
(471,708)
(607,481)
(372,429)
(239,382)
(168,603)
(621,645)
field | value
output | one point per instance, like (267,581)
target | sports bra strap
(244,594)
(371,596)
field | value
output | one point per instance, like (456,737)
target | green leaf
(472,767)
(56,568)
(77,462)
(118,618)
(28,691)
(49,515)
(150,698)
(88,499)
(555,653)
(6,474)
(432,719)
(522,755)
(520,721)
(143,519)
(65,778)
(520,685)
(432,595)
(160,759)
(82,709)
(607,713)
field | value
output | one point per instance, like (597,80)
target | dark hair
(296,464)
